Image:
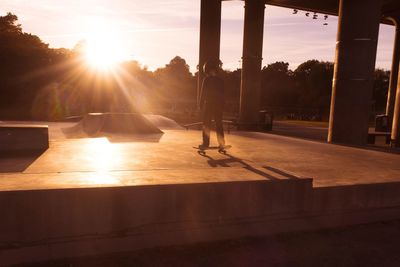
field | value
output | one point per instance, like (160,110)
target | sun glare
(104,50)
(103,53)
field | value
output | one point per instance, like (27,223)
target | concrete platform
(100,195)
(327,164)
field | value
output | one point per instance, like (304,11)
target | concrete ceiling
(390,9)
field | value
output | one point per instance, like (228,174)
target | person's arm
(203,93)
(223,92)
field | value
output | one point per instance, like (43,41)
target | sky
(153,32)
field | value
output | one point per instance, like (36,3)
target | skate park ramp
(163,122)
(104,124)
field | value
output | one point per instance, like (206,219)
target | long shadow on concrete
(280,172)
(18,161)
(230,159)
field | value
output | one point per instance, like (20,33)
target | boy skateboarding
(212,103)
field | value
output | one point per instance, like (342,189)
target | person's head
(212,67)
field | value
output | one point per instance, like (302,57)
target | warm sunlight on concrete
(101,178)
(101,155)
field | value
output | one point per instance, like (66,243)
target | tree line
(42,83)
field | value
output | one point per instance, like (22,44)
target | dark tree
(314,80)
(380,91)
(278,87)
(177,86)
(23,57)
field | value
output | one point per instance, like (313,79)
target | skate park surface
(86,196)
(173,152)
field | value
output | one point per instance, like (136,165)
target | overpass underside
(356,47)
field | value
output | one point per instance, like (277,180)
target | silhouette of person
(212,102)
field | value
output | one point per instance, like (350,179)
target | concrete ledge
(20,138)
(355,197)
(41,224)
(174,233)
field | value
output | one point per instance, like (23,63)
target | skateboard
(222,150)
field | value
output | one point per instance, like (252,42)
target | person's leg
(219,127)
(206,126)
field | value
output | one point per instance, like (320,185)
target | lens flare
(103,53)
(104,47)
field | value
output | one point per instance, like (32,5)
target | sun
(104,51)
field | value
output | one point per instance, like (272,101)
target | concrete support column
(356,47)
(393,74)
(251,65)
(210,35)
(395,137)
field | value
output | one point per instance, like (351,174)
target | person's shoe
(203,147)
(223,148)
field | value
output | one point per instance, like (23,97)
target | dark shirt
(212,92)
